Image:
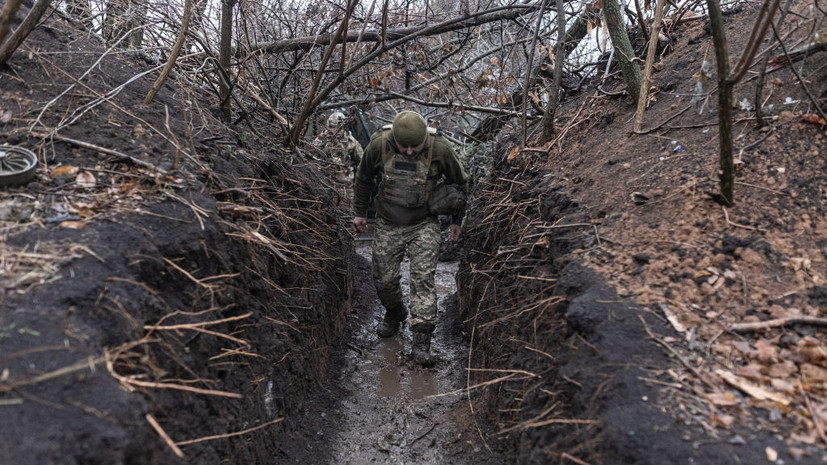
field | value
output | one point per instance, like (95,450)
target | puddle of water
(421,385)
(390,382)
(391,417)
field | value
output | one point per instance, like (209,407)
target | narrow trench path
(377,406)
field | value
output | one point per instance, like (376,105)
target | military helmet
(336,119)
(409,129)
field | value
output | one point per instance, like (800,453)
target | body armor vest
(405,180)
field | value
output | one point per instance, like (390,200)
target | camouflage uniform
(345,153)
(401,226)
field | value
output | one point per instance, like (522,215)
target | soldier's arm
(365,178)
(355,153)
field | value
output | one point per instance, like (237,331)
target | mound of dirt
(622,302)
(170,285)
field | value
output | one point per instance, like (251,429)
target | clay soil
(602,267)
(173,285)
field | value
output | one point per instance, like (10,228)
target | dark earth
(176,290)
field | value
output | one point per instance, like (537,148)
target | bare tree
(726,83)
(625,54)
(9,10)
(224,54)
(547,124)
(8,47)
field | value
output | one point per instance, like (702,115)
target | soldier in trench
(422,177)
(344,153)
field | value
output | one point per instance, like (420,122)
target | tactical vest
(405,181)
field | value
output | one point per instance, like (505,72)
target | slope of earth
(628,303)
(169,285)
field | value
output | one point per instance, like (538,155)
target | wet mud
(378,406)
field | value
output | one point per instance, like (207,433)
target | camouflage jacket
(343,150)
(444,165)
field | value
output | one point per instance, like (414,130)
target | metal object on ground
(17,165)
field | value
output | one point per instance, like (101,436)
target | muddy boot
(390,324)
(421,347)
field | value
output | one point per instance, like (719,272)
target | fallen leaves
(813,118)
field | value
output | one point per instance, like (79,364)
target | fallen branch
(229,435)
(751,389)
(779,322)
(680,357)
(816,420)
(567,456)
(479,385)
(737,225)
(163,434)
(129,382)
(81,365)
(98,148)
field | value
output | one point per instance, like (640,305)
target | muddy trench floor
(377,406)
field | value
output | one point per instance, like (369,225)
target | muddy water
(378,406)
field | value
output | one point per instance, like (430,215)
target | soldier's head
(409,132)
(336,119)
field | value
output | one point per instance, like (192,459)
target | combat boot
(421,347)
(391,323)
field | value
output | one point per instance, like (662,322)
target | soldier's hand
(360,224)
(455,232)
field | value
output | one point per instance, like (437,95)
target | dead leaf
(772,455)
(724,421)
(752,372)
(796,453)
(783,369)
(73,224)
(813,373)
(764,351)
(782,385)
(513,153)
(65,170)
(752,389)
(86,180)
(742,346)
(813,118)
(722,398)
(85,210)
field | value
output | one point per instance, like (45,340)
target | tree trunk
(176,50)
(727,167)
(554,95)
(391,35)
(23,31)
(6,15)
(647,69)
(224,54)
(620,40)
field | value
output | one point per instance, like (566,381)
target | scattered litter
(737,439)
(62,218)
(678,149)
(744,105)
(789,101)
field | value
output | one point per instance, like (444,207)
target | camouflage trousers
(344,188)
(389,245)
